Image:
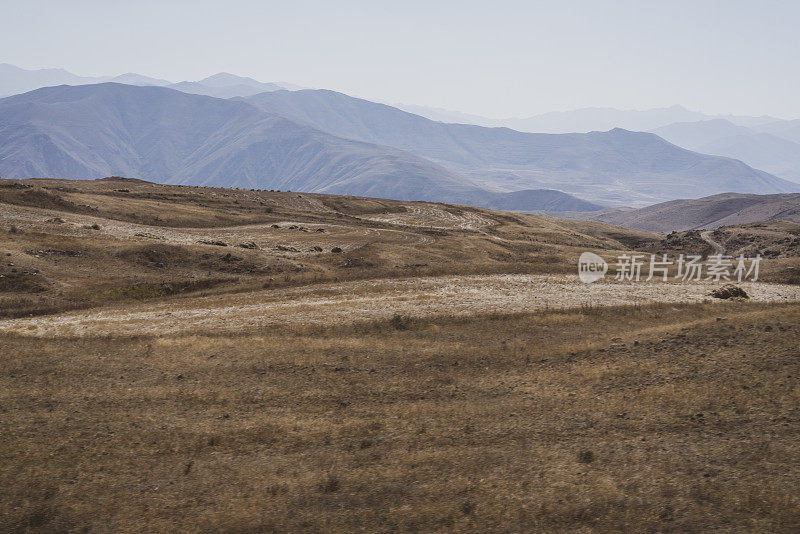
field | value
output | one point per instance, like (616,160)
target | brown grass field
(412,367)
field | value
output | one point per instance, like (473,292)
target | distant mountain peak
(222,79)
(15,80)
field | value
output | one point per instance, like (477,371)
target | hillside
(192,358)
(708,212)
(614,167)
(153,239)
(93,131)
(86,243)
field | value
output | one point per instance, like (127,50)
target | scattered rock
(286,249)
(249,244)
(357,262)
(729,291)
(275,226)
(336,250)
(211,242)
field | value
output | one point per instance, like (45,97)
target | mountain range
(586,120)
(91,131)
(14,80)
(617,167)
(766,143)
(754,145)
(324,141)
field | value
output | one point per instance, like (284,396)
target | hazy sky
(500,58)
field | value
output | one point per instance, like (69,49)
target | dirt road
(706,236)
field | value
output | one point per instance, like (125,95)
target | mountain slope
(92,131)
(762,150)
(586,119)
(617,167)
(446,115)
(787,129)
(692,134)
(601,119)
(591,119)
(709,212)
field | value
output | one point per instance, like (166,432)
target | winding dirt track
(351,302)
(706,236)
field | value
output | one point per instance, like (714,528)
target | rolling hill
(615,167)
(709,212)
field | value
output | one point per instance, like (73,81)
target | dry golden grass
(649,418)
(86,243)
(653,418)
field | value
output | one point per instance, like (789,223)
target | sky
(496,59)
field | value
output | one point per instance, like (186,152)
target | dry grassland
(440,371)
(654,418)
